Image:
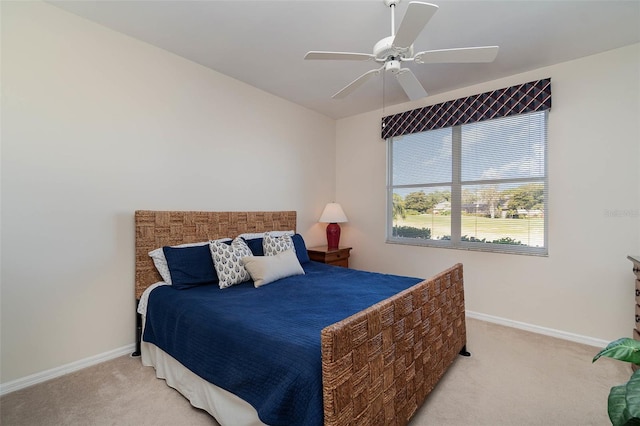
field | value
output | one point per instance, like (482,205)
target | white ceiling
(263,42)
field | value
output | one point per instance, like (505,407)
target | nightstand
(337,257)
(636,270)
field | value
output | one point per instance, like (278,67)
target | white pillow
(227,259)
(267,269)
(160,262)
(253,235)
(272,244)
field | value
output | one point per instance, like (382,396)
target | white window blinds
(473,186)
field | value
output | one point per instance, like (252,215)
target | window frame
(457,184)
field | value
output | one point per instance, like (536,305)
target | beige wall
(96,125)
(585,285)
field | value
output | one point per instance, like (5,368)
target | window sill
(481,247)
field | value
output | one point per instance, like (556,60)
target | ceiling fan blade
(348,56)
(410,84)
(462,55)
(416,17)
(357,83)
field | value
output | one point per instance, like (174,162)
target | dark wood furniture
(337,257)
(636,270)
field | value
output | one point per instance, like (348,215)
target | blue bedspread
(263,344)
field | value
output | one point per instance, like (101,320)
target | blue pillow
(301,248)
(255,244)
(190,266)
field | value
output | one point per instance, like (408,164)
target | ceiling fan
(393,50)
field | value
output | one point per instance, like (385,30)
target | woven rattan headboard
(165,228)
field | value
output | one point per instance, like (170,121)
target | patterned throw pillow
(228,262)
(273,245)
(254,235)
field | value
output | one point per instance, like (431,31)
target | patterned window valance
(527,97)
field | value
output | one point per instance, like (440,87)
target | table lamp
(333,214)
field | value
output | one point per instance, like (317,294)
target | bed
(375,366)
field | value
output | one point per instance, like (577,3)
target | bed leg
(138,333)
(464,351)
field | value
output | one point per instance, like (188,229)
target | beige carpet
(513,378)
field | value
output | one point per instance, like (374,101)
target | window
(479,186)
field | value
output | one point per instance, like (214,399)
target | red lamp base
(333,236)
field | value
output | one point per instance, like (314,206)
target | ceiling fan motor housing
(384,50)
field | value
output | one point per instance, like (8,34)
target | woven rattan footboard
(379,365)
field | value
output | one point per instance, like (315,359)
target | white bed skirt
(227,408)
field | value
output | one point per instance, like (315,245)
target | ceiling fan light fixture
(392,66)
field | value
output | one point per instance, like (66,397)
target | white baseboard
(43,376)
(586,340)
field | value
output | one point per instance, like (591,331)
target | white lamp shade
(333,213)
